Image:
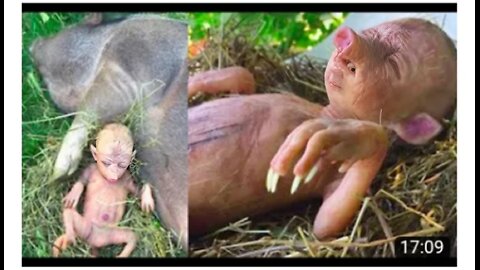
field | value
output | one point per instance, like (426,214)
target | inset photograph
(104,135)
(320,134)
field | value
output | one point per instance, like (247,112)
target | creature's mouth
(335,78)
(111,181)
(334,84)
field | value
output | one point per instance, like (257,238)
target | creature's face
(113,164)
(113,153)
(392,71)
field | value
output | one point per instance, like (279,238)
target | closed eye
(122,165)
(106,163)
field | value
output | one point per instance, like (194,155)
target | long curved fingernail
(343,168)
(275,177)
(313,171)
(295,184)
(269,179)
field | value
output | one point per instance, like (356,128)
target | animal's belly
(231,144)
(103,212)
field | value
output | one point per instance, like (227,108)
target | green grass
(43,127)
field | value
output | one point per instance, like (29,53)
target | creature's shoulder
(127,178)
(88,172)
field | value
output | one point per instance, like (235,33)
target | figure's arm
(72,198)
(231,79)
(145,195)
(343,198)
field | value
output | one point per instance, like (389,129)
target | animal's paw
(345,141)
(60,244)
(147,202)
(70,153)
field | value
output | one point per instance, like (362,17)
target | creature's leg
(231,79)
(94,251)
(75,225)
(103,236)
(70,152)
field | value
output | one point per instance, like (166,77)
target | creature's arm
(72,198)
(232,79)
(145,195)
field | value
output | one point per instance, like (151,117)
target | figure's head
(402,72)
(114,151)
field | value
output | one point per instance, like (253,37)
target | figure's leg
(75,225)
(94,252)
(103,236)
(125,236)
(59,245)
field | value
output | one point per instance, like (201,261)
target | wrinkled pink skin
(107,184)
(404,78)
(202,82)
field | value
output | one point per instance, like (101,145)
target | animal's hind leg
(103,236)
(126,236)
(75,226)
(70,152)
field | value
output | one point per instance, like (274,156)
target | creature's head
(401,72)
(114,151)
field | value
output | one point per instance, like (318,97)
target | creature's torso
(105,201)
(231,144)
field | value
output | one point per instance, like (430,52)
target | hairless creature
(101,70)
(399,76)
(108,182)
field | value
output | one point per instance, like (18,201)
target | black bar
(239,7)
(239,262)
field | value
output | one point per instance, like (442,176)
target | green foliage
(37,108)
(288,33)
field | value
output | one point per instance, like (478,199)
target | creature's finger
(294,145)
(315,148)
(269,179)
(67,203)
(343,150)
(75,202)
(150,207)
(296,182)
(145,208)
(311,174)
(346,165)
(274,182)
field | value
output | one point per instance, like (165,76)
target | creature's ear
(94,151)
(417,129)
(93,18)
(133,155)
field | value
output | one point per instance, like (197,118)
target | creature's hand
(72,198)
(147,203)
(346,141)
